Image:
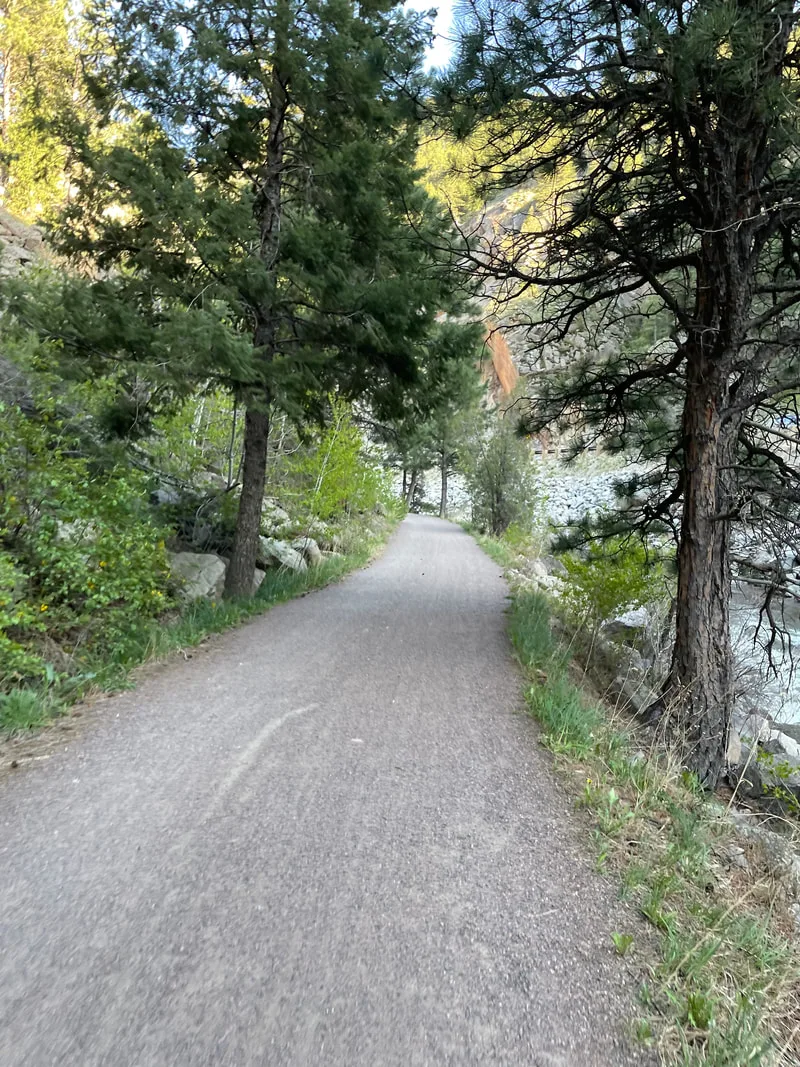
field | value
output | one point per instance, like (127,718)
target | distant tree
(40,78)
(427,428)
(659,140)
(499,472)
(263,186)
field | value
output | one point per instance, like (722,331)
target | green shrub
(614,576)
(19,622)
(83,563)
(335,474)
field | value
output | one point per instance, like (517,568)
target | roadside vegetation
(720,950)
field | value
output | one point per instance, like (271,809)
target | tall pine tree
(656,143)
(264,173)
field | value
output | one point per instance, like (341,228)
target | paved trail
(328,840)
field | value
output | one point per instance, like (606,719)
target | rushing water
(570,494)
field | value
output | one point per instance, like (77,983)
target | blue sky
(441,51)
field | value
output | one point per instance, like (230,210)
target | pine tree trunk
(267,209)
(443,498)
(241,569)
(698,696)
(412,485)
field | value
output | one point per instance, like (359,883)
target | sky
(439,54)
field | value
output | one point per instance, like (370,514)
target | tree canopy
(658,142)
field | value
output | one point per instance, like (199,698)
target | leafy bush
(18,622)
(336,474)
(612,577)
(82,561)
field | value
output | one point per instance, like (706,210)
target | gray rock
(273,515)
(275,553)
(210,480)
(745,777)
(733,754)
(308,549)
(752,725)
(782,744)
(165,495)
(791,729)
(78,532)
(198,574)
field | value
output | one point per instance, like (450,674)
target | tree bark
(699,692)
(267,210)
(241,569)
(412,485)
(443,498)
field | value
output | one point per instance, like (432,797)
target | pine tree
(264,176)
(657,143)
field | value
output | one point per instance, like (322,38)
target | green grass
(722,986)
(30,708)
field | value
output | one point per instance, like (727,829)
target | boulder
(308,549)
(783,744)
(209,480)
(77,532)
(274,553)
(790,729)
(272,515)
(753,725)
(198,574)
(165,496)
(745,776)
(627,626)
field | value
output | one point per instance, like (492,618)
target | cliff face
(500,371)
(21,245)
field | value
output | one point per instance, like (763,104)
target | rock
(210,480)
(790,729)
(273,515)
(782,744)
(745,776)
(733,755)
(258,578)
(78,532)
(198,574)
(308,549)
(165,496)
(274,553)
(538,569)
(627,626)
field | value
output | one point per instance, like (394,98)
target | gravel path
(329,839)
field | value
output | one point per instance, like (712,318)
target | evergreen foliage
(658,142)
(262,186)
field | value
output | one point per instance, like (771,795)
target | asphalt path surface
(329,838)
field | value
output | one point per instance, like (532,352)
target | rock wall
(21,245)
